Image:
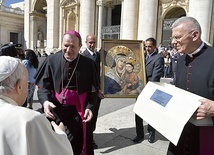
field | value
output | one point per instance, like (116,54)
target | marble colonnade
(136,23)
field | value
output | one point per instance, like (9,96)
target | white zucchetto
(7,66)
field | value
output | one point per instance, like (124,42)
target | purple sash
(72,98)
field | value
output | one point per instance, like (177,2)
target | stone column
(52,25)
(61,25)
(147,19)
(109,14)
(100,21)
(87,18)
(121,20)
(202,11)
(33,34)
(27,24)
(129,19)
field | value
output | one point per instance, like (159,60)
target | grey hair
(7,85)
(193,24)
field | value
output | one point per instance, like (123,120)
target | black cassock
(195,75)
(84,80)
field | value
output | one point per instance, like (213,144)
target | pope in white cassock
(24,131)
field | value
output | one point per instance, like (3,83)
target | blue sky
(8,2)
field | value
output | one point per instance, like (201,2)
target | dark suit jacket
(154,67)
(97,60)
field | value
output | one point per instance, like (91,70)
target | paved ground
(116,129)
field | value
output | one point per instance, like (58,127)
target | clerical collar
(197,50)
(69,60)
(90,51)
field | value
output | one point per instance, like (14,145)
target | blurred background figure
(174,59)
(8,50)
(20,51)
(44,54)
(167,62)
(31,62)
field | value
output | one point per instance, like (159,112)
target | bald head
(91,42)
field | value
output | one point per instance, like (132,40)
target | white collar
(8,100)
(91,52)
(197,50)
(69,60)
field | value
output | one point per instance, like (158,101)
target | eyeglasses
(178,38)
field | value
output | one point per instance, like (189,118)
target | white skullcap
(7,66)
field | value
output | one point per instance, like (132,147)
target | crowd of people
(171,56)
(69,90)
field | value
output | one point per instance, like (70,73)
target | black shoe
(95,146)
(151,138)
(138,139)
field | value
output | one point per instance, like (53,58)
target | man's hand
(101,94)
(206,109)
(58,128)
(88,115)
(47,107)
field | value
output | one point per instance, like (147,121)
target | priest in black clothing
(67,90)
(194,73)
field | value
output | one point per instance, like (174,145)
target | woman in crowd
(31,62)
(167,62)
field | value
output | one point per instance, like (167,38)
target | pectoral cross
(62,97)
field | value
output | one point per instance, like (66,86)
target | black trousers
(95,115)
(139,126)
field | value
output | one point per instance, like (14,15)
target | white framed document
(167,109)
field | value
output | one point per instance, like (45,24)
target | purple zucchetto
(75,33)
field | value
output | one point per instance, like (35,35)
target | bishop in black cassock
(52,77)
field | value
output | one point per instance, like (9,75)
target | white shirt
(91,52)
(27,132)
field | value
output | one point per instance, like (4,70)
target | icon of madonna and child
(123,72)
